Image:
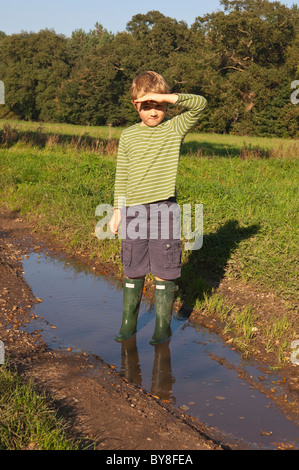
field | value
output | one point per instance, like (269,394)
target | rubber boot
(132,293)
(164,298)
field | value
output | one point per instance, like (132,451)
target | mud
(104,408)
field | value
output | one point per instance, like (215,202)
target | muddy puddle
(196,371)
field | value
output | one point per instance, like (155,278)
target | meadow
(58,174)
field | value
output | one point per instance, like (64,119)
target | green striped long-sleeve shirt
(148,157)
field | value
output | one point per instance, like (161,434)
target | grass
(243,147)
(62,186)
(59,174)
(244,324)
(250,217)
(28,419)
(64,130)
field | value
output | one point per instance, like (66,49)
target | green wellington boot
(164,298)
(132,293)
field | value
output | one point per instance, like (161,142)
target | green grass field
(59,174)
(250,202)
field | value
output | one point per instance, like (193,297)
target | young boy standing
(145,184)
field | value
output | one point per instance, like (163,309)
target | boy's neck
(142,124)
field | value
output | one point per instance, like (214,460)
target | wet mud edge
(104,408)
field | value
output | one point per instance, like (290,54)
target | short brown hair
(148,82)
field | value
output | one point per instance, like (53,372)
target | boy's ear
(134,104)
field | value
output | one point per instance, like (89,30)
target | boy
(145,181)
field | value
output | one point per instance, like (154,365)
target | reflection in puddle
(162,379)
(83,311)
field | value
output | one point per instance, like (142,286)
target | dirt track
(104,407)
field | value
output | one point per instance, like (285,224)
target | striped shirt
(148,157)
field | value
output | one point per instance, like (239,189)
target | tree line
(243,59)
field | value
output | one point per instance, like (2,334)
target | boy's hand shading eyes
(157,98)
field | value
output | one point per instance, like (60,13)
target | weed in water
(279,332)
(216,305)
(244,321)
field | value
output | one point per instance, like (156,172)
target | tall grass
(250,201)
(250,217)
(58,175)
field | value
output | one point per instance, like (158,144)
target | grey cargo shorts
(151,240)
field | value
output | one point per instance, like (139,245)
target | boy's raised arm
(170,98)
(194,105)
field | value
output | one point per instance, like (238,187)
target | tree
(158,37)
(245,53)
(242,59)
(248,31)
(90,93)
(32,66)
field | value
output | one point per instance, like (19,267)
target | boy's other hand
(115,221)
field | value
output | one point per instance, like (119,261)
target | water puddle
(83,311)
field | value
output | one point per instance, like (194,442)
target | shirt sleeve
(194,105)
(121,175)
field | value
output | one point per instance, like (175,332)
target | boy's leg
(132,293)
(164,241)
(165,260)
(134,257)
(164,297)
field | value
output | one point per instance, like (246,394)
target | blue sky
(64,16)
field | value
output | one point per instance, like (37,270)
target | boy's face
(151,113)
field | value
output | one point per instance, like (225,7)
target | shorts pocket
(126,254)
(172,254)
